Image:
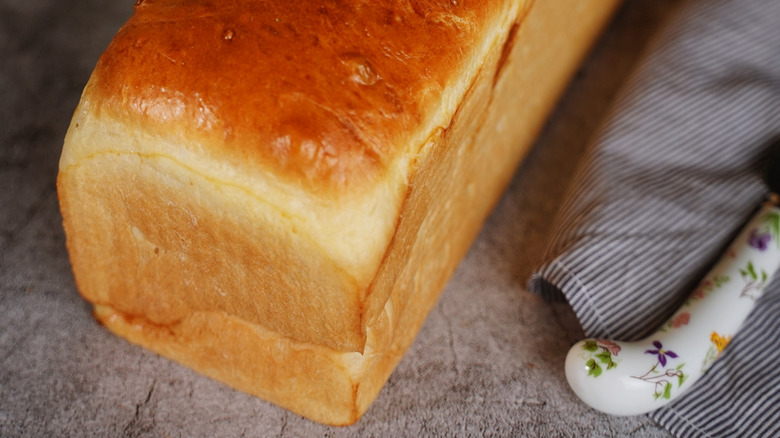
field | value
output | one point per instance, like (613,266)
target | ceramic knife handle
(629,378)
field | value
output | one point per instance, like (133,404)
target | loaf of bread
(275,193)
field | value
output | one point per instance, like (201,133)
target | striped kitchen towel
(669,180)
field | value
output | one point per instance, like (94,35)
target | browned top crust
(326,93)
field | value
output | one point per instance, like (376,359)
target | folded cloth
(669,180)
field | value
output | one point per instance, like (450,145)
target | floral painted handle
(630,378)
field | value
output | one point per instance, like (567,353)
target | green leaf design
(679,367)
(743,273)
(604,357)
(611,365)
(720,280)
(773,220)
(763,276)
(668,391)
(752,271)
(681,379)
(594,368)
(590,346)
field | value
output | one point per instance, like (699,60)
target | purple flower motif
(661,353)
(759,241)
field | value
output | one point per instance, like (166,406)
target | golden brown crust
(297,376)
(180,244)
(326,94)
(133,214)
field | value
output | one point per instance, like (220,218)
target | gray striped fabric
(667,183)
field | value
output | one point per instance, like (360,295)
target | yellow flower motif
(720,341)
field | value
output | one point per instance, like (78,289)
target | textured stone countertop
(488,361)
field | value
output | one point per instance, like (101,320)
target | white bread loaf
(275,193)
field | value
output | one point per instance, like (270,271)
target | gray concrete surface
(488,361)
